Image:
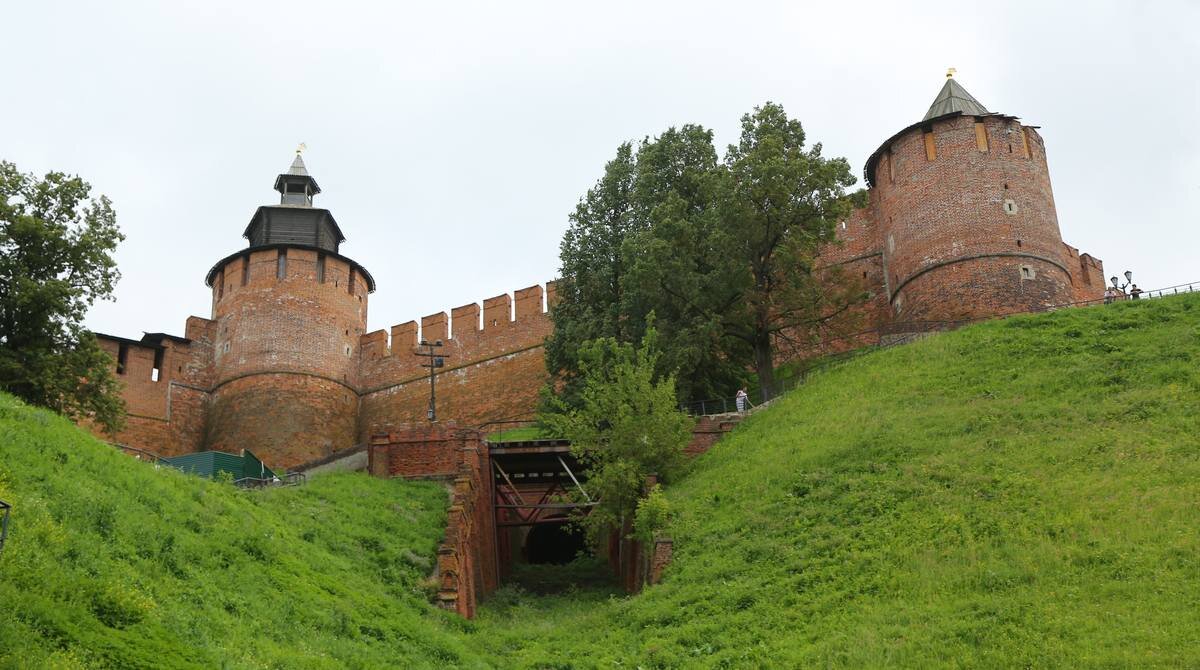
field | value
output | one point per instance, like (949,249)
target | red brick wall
(467,558)
(490,374)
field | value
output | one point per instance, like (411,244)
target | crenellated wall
(166,387)
(491,373)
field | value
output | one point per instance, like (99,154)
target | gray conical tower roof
(954,98)
(298,167)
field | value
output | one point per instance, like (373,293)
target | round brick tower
(289,311)
(966,215)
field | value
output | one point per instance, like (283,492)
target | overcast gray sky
(453,139)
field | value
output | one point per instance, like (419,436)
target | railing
(289,479)
(729,404)
(5,508)
(140,454)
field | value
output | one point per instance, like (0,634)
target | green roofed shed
(210,463)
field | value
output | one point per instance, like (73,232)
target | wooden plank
(981,140)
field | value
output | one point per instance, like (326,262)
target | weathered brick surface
(467,558)
(490,374)
(707,430)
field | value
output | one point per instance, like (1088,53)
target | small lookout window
(156,371)
(350,283)
(320,268)
(1026,272)
(245,269)
(281,264)
(122,358)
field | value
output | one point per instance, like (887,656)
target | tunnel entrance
(554,544)
(538,486)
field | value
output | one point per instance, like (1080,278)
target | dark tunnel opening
(553,543)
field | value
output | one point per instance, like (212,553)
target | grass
(519,435)
(113,563)
(1023,492)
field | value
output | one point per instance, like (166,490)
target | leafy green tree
(590,284)
(679,264)
(56,247)
(625,428)
(723,252)
(781,203)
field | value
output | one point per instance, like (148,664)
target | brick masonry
(467,559)
(955,228)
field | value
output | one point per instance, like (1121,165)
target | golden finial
(950,73)
(300,148)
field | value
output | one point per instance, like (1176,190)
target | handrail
(137,453)
(5,507)
(289,479)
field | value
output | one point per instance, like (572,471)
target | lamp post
(436,360)
(1121,287)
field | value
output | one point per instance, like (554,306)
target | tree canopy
(626,427)
(56,260)
(723,252)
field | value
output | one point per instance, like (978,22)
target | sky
(452,140)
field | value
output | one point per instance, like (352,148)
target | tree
(783,202)
(722,252)
(625,428)
(640,242)
(590,284)
(56,247)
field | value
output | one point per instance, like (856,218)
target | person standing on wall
(742,400)
(1135,292)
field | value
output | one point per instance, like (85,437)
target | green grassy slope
(1021,493)
(112,563)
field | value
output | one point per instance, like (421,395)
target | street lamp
(436,360)
(1128,281)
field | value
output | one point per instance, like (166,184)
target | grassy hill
(1024,492)
(113,563)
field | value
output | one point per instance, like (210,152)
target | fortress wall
(491,373)
(165,413)
(857,260)
(855,237)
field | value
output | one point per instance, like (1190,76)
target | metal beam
(510,484)
(577,484)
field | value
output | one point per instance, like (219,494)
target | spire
(298,168)
(296,186)
(953,98)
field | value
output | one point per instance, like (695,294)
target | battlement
(470,333)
